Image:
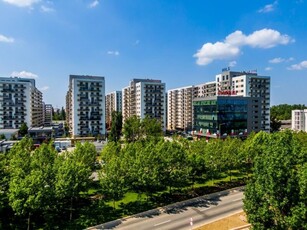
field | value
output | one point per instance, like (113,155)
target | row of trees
(42,184)
(283,111)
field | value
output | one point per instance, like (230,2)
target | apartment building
(20,102)
(113,103)
(299,120)
(179,104)
(85,105)
(47,114)
(179,113)
(145,97)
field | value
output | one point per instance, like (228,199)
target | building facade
(47,114)
(179,109)
(223,115)
(20,102)
(145,97)
(113,103)
(85,105)
(248,84)
(299,120)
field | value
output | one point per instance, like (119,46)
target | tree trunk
(29,220)
(71,204)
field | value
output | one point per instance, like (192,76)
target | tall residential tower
(145,97)
(20,102)
(85,105)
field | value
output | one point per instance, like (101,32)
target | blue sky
(181,42)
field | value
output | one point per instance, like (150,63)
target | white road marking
(162,223)
(236,200)
(204,209)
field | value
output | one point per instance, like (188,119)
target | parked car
(64,147)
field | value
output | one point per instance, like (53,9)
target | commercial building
(299,120)
(113,103)
(227,84)
(85,105)
(224,115)
(20,102)
(145,97)
(248,84)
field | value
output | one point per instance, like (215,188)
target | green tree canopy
(137,129)
(283,111)
(275,198)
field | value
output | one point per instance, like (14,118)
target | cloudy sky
(181,42)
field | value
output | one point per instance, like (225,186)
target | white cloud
(232,64)
(230,47)
(94,4)
(268,68)
(44,88)
(268,8)
(267,38)
(111,52)
(47,9)
(217,51)
(6,39)
(22,3)
(280,60)
(277,60)
(24,74)
(299,66)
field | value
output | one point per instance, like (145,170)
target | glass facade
(221,115)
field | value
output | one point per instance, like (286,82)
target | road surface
(183,217)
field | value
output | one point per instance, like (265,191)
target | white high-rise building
(299,120)
(85,105)
(179,110)
(20,102)
(113,103)
(145,97)
(180,104)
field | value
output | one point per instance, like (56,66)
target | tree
(274,125)
(174,167)
(4,178)
(137,129)
(151,127)
(31,178)
(113,174)
(131,129)
(273,197)
(2,136)
(283,111)
(73,173)
(116,126)
(23,130)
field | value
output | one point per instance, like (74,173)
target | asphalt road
(183,217)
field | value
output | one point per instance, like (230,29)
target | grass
(165,197)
